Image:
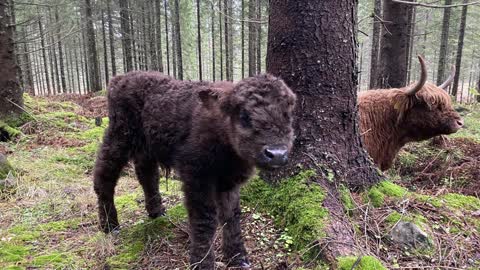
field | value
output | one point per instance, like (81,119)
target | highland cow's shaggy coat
(212,134)
(390,118)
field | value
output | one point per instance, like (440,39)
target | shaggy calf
(393,117)
(212,134)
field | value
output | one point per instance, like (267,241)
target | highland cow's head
(259,112)
(425,110)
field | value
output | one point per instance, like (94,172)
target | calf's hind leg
(147,173)
(111,159)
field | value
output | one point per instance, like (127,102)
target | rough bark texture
(442,58)
(178,41)
(311,46)
(461,36)
(125,27)
(377,12)
(10,91)
(392,71)
(95,80)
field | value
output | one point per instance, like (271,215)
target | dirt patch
(90,105)
(451,166)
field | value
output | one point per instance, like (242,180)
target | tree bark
(95,80)
(252,66)
(213,42)
(392,71)
(165,6)
(227,39)
(442,58)
(377,24)
(461,37)
(243,37)
(44,54)
(27,59)
(126,36)
(105,48)
(303,36)
(11,99)
(158,36)
(221,38)
(259,37)
(411,40)
(199,43)
(111,38)
(60,53)
(178,41)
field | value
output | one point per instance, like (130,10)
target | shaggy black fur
(212,134)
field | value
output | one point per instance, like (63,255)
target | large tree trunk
(126,36)
(461,36)
(199,42)
(178,41)
(95,80)
(11,99)
(392,71)
(377,13)
(442,58)
(303,36)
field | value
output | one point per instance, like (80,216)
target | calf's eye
(245,119)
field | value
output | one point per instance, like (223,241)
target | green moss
(13,253)
(23,233)
(93,134)
(5,169)
(407,159)
(127,201)
(12,132)
(295,205)
(57,259)
(393,218)
(376,194)
(461,201)
(58,226)
(366,263)
(347,200)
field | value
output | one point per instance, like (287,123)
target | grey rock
(410,235)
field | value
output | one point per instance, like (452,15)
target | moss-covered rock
(363,263)
(294,203)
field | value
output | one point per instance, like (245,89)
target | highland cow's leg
(112,157)
(148,176)
(229,212)
(203,224)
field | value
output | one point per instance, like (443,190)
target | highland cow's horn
(422,81)
(447,83)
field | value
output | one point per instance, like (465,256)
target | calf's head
(258,111)
(425,110)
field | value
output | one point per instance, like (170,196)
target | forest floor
(48,217)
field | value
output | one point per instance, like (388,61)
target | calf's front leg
(203,224)
(229,213)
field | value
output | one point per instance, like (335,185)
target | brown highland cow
(391,118)
(212,134)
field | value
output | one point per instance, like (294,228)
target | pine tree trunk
(178,41)
(461,37)
(53,59)
(105,49)
(44,54)
(304,45)
(157,38)
(145,62)
(227,39)
(77,70)
(392,71)
(252,66)
(377,24)
(221,38)
(60,53)
(259,37)
(39,84)
(11,99)
(86,65)
(167,45)
(126,35)
(442,58)
(27,69)
(213,42)
(111,39)
(95,80)
(411,40)
(230,40)
(243,38)
(199,43)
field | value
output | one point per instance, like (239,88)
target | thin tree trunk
(226,38)
(146,63)
(221,39)
(86,65)
(38,72)
(44,54)
(243,38)
(377,13)
(167,45)
(259,37)
(158,37)
(304,45)
(111,39)
(77,70)
(126,36)
(53,55)
(442,58)
(105,49)
(199,43)
(230,39)
(411,40)
(178,41)
(60,53)
(251,39)
(95,80)
(461,37)
(28,77)
(213,41)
